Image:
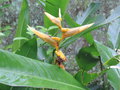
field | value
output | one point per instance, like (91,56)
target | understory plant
(35,65)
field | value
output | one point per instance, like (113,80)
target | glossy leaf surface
(16,70)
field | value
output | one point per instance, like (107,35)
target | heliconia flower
(45,37)
(60,54)
(55,20)
(67,32)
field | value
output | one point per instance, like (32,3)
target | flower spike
(55,20)
(67,32)
(45,37)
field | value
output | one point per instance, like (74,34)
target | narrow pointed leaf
(23,21)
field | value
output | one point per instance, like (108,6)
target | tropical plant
(22,67)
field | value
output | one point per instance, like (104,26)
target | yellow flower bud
(67,32)
(55,20)
(60,54)
(45,37)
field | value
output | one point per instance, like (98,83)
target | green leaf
(86,77)
(42,54)
(115,14)
(28,49)
(23,21)
(52,7)
(20,38)
(113,61)
(114,33)
(4,87)
(93,7)
(70,21)
(113,75)
(16,70)
(87,58)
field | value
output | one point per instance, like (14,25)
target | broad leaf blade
(23,21)
(16,70)
(28,49)
(112,74)
(87,58)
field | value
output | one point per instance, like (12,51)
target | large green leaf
(87,58)
(113,75)
(114,33)
(115,14)
(23,21)
(16,70)
(28,49)
(52,7)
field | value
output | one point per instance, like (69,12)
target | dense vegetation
(21,66)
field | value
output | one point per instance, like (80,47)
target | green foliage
(113,74)
(24,70)
(113,61)
(34,73)
(87,58)
(115,14)
(23,21)
(28,49)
